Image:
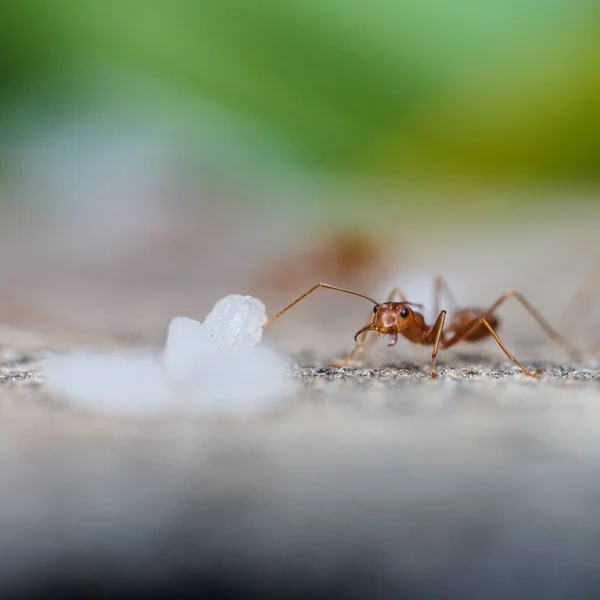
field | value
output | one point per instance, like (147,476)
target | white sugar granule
(220,364)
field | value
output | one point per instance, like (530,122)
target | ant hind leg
(461,333)
(541,321)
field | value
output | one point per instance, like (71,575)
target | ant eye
(375,309)
(404,313)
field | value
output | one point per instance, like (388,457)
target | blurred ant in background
(346,255)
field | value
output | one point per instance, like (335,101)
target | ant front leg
(359,348)
(461,333)
(396,295)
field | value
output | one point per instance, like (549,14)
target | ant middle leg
(581,303)
(441,285)
(463,331)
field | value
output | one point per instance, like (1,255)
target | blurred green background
(494,92)
(155,155)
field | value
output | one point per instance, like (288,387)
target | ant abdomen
(463,317)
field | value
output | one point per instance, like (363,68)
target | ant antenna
(421,306)
(312,289)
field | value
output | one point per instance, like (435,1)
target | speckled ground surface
(368,482)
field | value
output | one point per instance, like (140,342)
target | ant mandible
(396,317)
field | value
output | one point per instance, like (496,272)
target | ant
(396,316)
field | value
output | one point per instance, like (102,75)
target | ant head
(392,317)
(389,318)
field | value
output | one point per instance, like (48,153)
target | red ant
(396,317)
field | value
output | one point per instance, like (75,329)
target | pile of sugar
(218,365)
